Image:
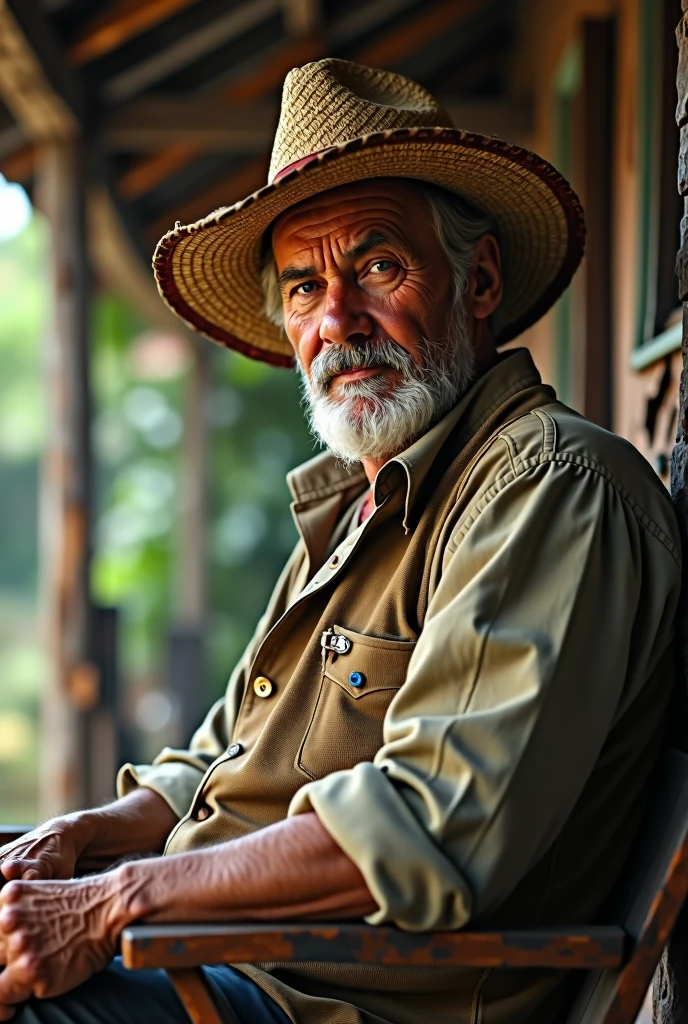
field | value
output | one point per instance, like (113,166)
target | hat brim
(208,272)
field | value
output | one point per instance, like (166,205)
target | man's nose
(345,318)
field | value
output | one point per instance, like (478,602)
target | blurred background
(144,515)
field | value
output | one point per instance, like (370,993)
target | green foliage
(255,434)
(25,309)
(24,305)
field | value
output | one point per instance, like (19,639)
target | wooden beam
(11,140)
(190,47)
(302,17)
(146,174)
(119,265)
(71,681)
(224,193)
(175,946)
(363,19)
(509,119)
(154,122)
(40,109)
(120,23)
(418,31)
(19,166)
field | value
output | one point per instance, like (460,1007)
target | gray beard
(375,418)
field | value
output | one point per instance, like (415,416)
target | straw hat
(342,122)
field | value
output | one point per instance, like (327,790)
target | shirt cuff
(413,883)
(175,782)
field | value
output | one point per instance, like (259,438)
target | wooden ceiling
(178,99)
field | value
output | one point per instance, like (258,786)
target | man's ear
(484,291)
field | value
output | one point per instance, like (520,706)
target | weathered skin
(55,932)
(398,288)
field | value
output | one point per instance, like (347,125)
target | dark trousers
(118,996)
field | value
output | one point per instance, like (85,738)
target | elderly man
(451,707)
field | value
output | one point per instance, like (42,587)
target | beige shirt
(480,745)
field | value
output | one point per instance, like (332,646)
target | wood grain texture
(175,946)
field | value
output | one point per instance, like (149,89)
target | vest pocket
(356,689)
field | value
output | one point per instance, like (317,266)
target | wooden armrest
(8,833)
(176,946)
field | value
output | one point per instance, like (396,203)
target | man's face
(361,263)
(370,307)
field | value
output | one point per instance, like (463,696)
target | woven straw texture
(342,122)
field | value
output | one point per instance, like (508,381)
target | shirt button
(262,686)
(203,813)
(357,679)
(235,750)
(334,561)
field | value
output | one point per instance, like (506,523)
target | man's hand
(89,840)
(50,851)
(55,935)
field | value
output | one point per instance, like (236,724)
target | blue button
(357,679)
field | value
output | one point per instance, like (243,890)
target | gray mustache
(336,359)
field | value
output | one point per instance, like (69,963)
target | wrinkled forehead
(390,205)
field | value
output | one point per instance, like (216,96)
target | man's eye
(380,266)
(306,288)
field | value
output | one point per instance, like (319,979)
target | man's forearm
(139,823)
(290,869)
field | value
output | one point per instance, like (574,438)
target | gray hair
(458,226)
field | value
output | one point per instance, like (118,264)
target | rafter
(123,21)
(19,166)
(418,30)
(146,174)
(152,122)
(189,48)
(245,181)
(43,100)
(302,17)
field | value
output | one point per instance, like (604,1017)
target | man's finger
(15,986)
(15,870)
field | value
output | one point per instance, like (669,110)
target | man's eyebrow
(294,274)
(369,242)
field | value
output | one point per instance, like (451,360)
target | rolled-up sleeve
(176,774)
(516,679)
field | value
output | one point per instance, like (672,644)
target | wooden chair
(619,959)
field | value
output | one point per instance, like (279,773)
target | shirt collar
(323,477)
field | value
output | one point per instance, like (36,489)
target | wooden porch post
(71,683)
(670,995)
(186,639)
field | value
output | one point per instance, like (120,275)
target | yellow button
(262,686)
(334,562)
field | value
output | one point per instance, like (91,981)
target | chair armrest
(8,833)
(175,946)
